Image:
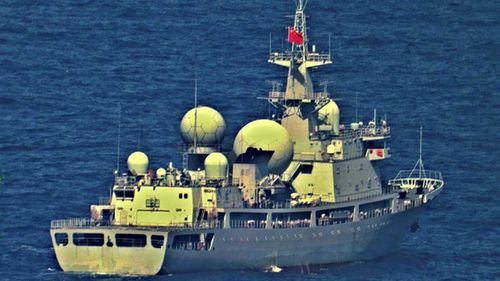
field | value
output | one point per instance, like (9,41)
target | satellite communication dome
(161,172)
(204,124)
(330,115)
(266,135)
(138,163)
(215,166)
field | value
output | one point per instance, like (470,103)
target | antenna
(270,46)
(356,107)
(421,163)
(329,45)
(139,139)
(195,110)
(301,4)
(119,134)
(325,83)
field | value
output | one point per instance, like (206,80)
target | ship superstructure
(299,189)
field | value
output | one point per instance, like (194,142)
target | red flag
(380,152)
(295,36)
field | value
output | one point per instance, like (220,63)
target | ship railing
(191,246)
(318,57)
(364,194)
(408,204)
(276,95)
(291,223)
(125,181)
(416,174)
(86,222)
(337,217)
(368,131)
(73,223)
(104,200)
(287,56)
(207,224)
(363,215)
(247,224)
(323,200)
(365,131)
(262,205)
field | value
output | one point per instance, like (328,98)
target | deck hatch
(88,239)
(130,240)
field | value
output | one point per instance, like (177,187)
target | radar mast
(298,59)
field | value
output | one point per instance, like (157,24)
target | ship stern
(109,251)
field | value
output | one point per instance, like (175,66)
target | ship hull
(292,247)
(95,250)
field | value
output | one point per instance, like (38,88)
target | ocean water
(67,67)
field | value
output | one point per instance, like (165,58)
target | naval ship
(297,189)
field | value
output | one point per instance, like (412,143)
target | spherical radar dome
(208,126)
(138,163)
(266,135)
(330,115)
(215,166)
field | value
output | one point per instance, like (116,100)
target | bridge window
(130,240)
(88,239)
(157,241)
(61,239)
(185,196)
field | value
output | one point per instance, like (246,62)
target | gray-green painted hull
(262,248)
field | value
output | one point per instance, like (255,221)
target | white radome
(208,129)
(215,166)
(137,163)
(266,135)
(161,172)
(330,115)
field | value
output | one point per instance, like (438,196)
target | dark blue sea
(67,67)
